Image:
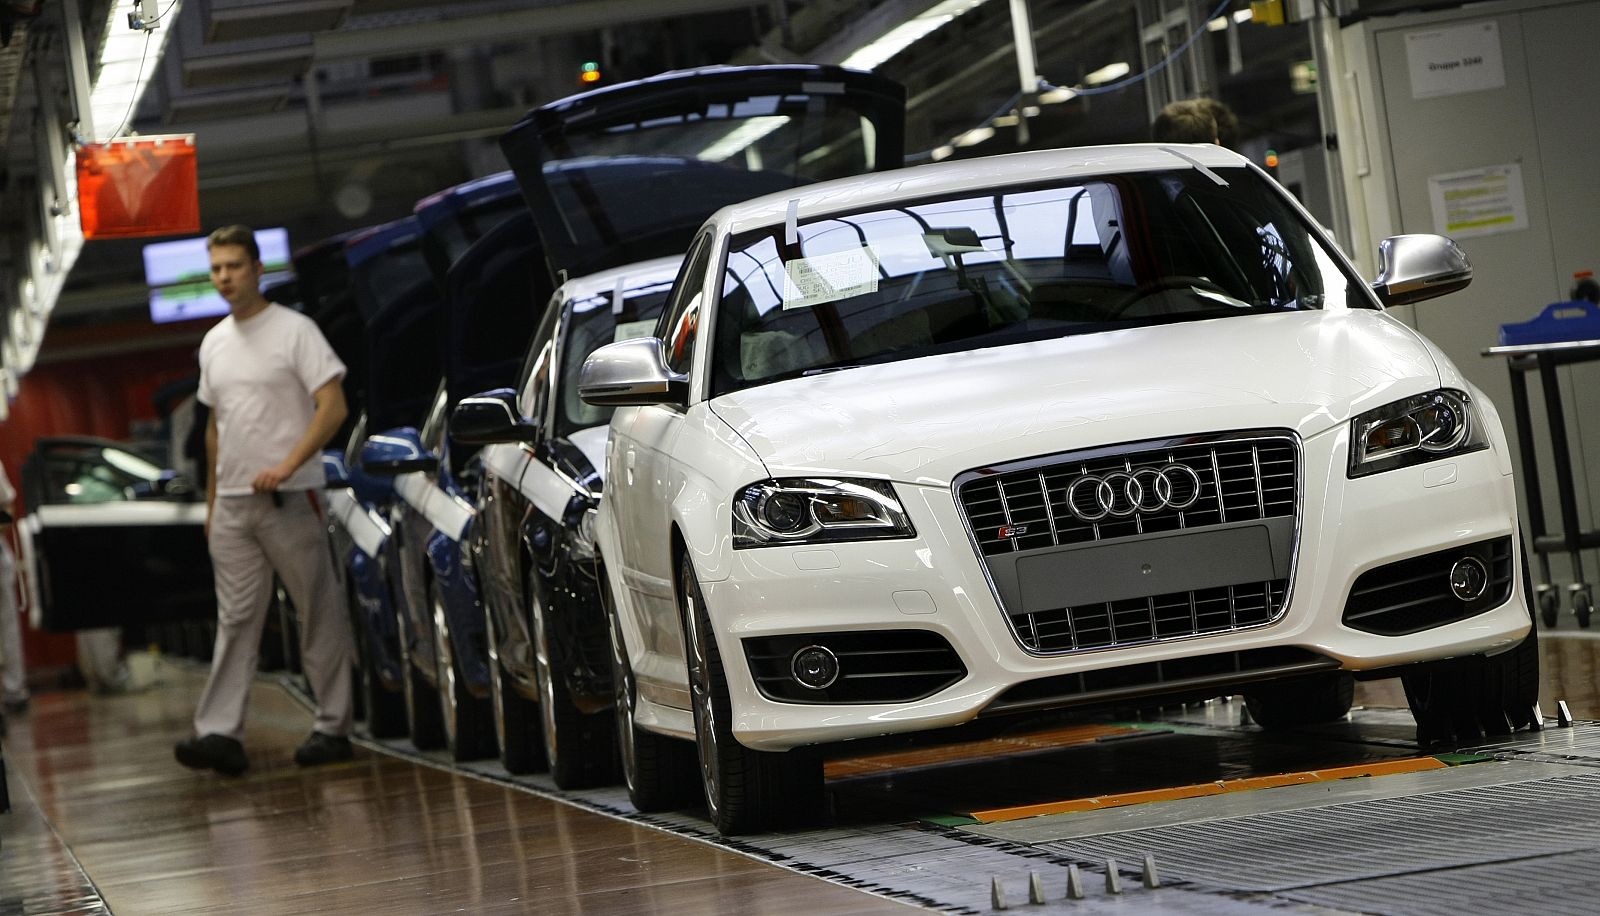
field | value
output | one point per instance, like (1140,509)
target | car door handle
(627,463)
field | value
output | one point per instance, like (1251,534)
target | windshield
(976,270)
(595,322)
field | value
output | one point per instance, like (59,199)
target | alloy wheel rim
(622,701)
(704,714)
(545,677)
(447,671)
(497,696)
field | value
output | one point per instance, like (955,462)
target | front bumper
(935,582)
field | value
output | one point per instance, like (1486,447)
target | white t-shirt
(258,376)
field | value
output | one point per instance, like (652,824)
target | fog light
(1469,579)
(815,667)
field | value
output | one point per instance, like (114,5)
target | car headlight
(799,510)
(1415,430)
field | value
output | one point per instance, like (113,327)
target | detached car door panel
(111,538)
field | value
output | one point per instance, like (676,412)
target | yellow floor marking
(1221,786)
(975,750)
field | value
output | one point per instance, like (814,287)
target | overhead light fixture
(742,136)
(1009,120)
(1057,95)
(876,53)
(1217,24)
(974,136)
(869,56)
(1244,15)
(943,152)
(128,59)
(1108,73)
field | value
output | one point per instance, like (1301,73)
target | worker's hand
(269,480)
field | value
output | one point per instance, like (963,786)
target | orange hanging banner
(139,187)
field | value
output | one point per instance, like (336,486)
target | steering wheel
(1175,281)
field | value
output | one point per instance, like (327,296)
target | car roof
(884,188)
(654,270)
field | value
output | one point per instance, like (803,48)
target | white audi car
(1045,430)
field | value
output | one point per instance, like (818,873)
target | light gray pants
(250,538)
(13,674)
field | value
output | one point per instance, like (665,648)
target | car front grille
(1138,620)
(1414,594)
(875,666)
(1207,500)
(1240,480)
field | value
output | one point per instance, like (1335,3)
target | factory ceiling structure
(323,116)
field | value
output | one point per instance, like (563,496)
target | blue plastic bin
(1560,321)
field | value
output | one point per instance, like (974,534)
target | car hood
(926,420)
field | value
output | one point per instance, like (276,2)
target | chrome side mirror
(631,373)
(490,417)
(1412,268)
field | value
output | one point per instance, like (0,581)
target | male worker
(273,386)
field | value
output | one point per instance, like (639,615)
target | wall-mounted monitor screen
(179,275)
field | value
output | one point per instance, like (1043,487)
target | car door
(503,506)
(111,538)
(643,452)
(410,532)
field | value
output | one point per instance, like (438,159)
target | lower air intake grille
(1196,674)
(1415,594)
(1141,620)
(875,666)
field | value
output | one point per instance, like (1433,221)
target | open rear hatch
(629,172)
(405,318)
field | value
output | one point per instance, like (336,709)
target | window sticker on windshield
(829,278)
(627,330)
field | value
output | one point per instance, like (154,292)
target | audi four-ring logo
(1120,494)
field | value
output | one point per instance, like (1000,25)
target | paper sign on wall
(1478,201)
(829,277)
(1455,59)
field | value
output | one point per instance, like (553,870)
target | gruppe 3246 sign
(1455,59)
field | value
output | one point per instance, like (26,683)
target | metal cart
(1545,358)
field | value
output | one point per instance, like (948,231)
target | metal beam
(578,16)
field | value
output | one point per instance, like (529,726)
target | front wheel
(659,771)
(468,725)
(746,791)
(515,717)
(1314,700)
(581,748)
(423,717)
(1461,700)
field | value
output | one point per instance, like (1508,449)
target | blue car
(393,294)
(494,295)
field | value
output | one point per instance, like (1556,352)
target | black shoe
(212,752)
(320,748)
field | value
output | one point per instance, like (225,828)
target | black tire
(385,708)
(468,720)
(424,719)
(516,718)
(1582,607)
(1460,700)
(746,791)
(580,747)
(1292,703)
(660,772)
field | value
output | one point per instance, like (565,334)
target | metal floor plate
(1482,837)
(1285,850)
